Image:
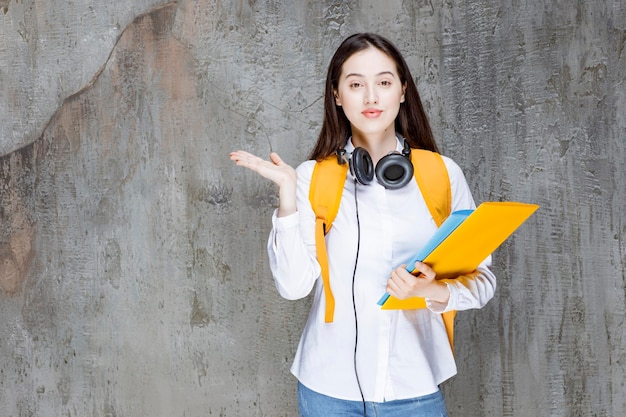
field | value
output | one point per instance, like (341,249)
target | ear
(403,91)
(337,99)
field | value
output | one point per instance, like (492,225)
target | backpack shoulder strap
(325,192)
(433,181)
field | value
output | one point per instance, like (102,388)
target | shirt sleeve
(468,291)
(291,244)
(472,290)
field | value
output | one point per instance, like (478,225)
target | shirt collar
(399,144)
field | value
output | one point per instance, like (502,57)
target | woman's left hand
(422,283)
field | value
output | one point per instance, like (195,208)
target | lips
(371,113)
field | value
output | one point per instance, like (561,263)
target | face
(370,92)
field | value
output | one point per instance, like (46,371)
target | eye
(385,83)
(355,84)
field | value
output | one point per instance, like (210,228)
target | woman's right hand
(275,170)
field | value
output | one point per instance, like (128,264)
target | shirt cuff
(287,222)
(437,307)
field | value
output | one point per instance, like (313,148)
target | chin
(374,130)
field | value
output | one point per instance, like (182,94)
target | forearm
(438,292)
(287,199)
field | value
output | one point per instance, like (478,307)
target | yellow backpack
(327,184)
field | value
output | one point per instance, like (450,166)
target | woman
(368,361)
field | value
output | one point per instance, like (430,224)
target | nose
(370,96)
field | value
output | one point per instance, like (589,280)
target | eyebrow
(354,74)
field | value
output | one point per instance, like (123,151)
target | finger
(242,156)
(247,159)
(276,159)
(234,155)
(240,153)
(403,276)
(398,288)
(422,270)
(398,285)
(393,288)
(394,278)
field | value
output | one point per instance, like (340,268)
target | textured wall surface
(50,49)
(133,273)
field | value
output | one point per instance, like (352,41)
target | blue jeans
(313,404)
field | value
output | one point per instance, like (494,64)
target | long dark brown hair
(411,121)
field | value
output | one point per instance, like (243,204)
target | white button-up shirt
(400,353)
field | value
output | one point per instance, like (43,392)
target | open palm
(275,170)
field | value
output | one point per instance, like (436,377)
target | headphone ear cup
(394,171)
(361,166)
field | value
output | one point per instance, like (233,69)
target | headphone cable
(356,322)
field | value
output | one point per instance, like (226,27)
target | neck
(377,145)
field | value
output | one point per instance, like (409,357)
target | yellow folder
(469,244)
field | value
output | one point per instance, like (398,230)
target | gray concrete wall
(133,274)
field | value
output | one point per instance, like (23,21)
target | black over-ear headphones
(393,171)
